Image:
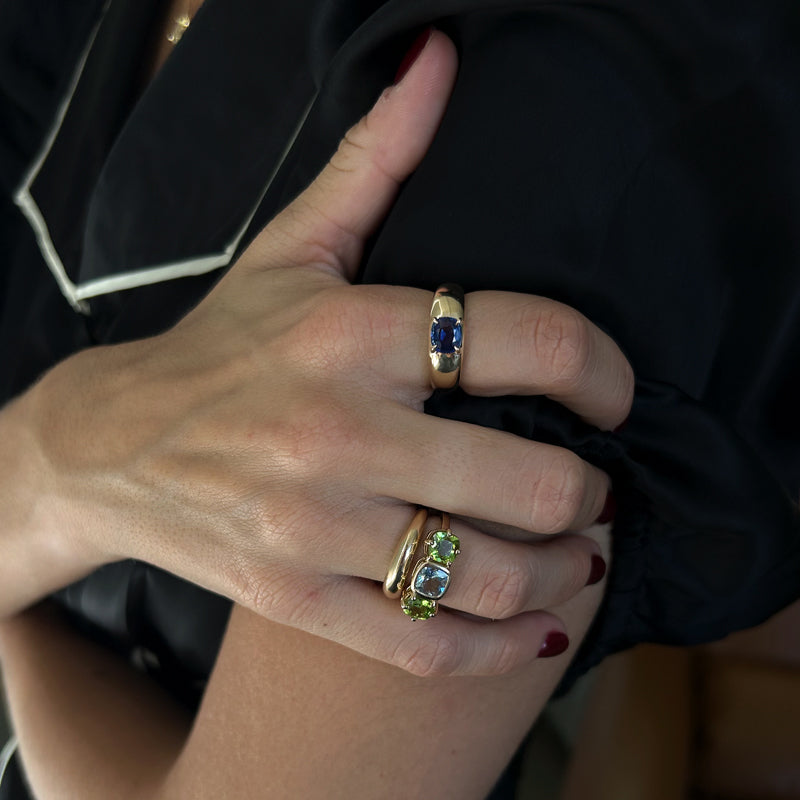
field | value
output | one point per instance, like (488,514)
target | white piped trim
(78,294)
(23,197)
(143,277)
(191,266)
(6,755)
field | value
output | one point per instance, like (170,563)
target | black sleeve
(641,167)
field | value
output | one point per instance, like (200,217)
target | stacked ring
(446,336)
(401,560)
(431,575)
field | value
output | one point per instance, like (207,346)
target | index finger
(514,343)
(523,344)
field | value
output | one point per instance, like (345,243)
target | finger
(520,344)
(496,579)
(479,472)
(328,223)
(491,578)
(514,344)
(356,614)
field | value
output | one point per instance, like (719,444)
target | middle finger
(481,473)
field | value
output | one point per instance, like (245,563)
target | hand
(272,445)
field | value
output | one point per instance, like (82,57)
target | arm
(40,554)
(89,725)
(285,715)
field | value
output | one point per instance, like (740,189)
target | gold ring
(447,336)
(431,576)
(401,560)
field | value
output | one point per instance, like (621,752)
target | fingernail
(554,645)
(609,510)
(413,54)
(598,570)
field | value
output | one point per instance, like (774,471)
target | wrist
(43,549)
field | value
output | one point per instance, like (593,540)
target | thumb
(328,223)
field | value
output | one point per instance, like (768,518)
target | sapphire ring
(431,575)
(447,336)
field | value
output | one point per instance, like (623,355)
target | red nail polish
(413,54)
(609,510)
(554,644)
(598,570)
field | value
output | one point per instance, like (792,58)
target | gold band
(446,336)
(401,560)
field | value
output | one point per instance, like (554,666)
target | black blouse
(639,161)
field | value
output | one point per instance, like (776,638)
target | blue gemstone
(431,581)
(445,334)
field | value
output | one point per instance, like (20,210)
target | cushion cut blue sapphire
(445,335)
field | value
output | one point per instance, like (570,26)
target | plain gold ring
(403,554)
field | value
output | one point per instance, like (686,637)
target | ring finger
(491,578)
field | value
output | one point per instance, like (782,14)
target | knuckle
(506,590)
(349,328)
(282,596)
(558,494)
(353,147)
(363,147)
(562,342)
(260,589)
(431,655)
(326,338)
(294,239)
(315,244)
(320,436)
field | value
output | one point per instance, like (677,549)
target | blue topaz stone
(430,580)
(446,335)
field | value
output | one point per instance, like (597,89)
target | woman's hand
(272,445)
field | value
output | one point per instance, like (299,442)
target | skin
(285,714)
(251,449)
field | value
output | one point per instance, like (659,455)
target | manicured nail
(413,54)
(554,645)
(598,570)
(609,510)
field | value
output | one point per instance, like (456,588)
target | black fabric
(638,161)
(12,784)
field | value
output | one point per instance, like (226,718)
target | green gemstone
(443,547)
(417,607)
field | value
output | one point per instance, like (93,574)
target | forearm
(89,726)
(286,714)
(40,553)
(291,715)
